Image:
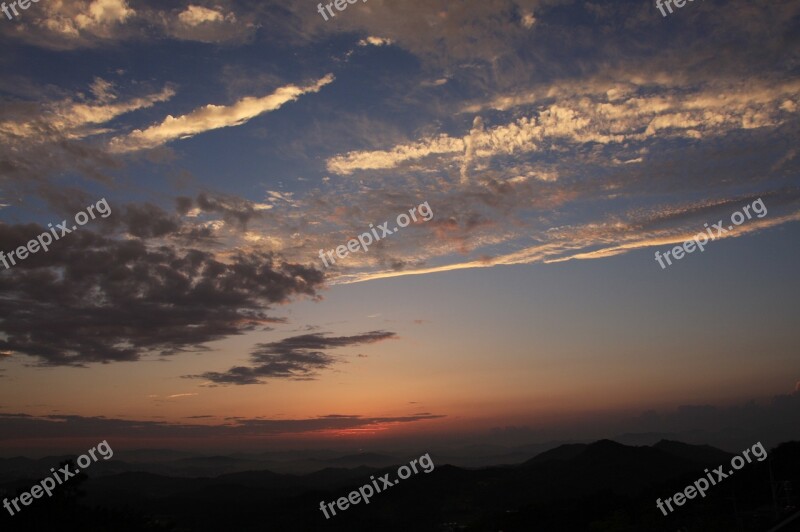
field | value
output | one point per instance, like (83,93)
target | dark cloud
(486,46)
(183,205)
(231,208)
(439,31)
(27,165)
(57,135)
(27,427)
(97,299)
(297,357)
(148,221)
(727,427)
(75,24)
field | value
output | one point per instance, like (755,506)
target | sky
(550,150)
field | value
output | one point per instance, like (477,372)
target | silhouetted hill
(257,479)
(363,459)
(701,454)
(562,452)
(336,476)
(152,455)
(579,468)
(588,487)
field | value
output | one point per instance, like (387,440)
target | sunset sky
(559,145)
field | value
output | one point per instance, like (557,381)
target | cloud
(63,25)
(770,421)
(231,208)
(528,206)
(103,90)
(196,15)
(27,427)
(202,24)
(385,159)
(157,399)
(145,220)
(97,17)
(113,300)
(374,41)
(631,242)
(618,234)
(528,20)
(212,117)
(77,22)
(434,83)
(104,13)
(433,29)
(297,357)
(605,117)
(70,119)
(39,140)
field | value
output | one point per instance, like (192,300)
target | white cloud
(376,160)
(605,115)
(70,24)
(76,19)
(434,83)
(212,117)
(528,20)
(104,12)
(196,15)
(575,243)
(103,90)
(73,119)
(375,41)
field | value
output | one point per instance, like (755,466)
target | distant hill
(602,486)
(701,454)
(364,459)
(562,452)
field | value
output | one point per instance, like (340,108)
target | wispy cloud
(374,41)
(71,119)
(177,395)
(615,114)
(212,117)
(27,427)
(297,357)
(614,236)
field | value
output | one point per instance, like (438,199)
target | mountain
(562,452)
(602,486)
(364,459)
(696,453)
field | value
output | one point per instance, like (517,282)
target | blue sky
(559,145)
